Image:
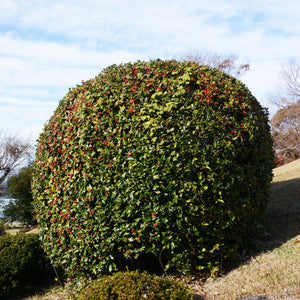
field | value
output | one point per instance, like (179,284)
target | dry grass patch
(12,231)
(55,293)
(287,172)
(68,292)
(275,274)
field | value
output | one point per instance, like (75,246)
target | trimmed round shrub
(159,162)
(135,286)
(23,263)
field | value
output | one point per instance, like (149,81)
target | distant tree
(19,188)
(286,121)
(286,133)
(13,152)
(226,63)
(291,75)
(3,189)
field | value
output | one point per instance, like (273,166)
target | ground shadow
(29,292)
(281,223)
(34,286)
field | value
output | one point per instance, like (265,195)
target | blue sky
(47,47)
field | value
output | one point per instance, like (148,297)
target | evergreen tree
(19,188)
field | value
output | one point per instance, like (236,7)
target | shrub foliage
(23,263)
(135,286)
(163,158)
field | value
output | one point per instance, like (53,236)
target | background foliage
(159,161)
(19,188)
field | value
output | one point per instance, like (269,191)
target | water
(3,202)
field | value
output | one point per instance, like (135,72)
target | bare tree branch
(13,153)
(224,63)
(291,77)
(285,126)
(285,123)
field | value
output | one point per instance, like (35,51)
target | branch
(13,152)
(291,76)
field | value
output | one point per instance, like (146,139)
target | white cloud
(54,53)
(50,46)
(25,117)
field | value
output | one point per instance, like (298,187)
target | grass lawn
(273,268)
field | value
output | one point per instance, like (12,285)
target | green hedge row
(23,263)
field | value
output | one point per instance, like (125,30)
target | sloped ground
(275,274)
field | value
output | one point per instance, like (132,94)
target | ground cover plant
(160,163)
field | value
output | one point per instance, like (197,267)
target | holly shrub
(164,162)
(135,286)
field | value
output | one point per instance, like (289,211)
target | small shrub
(159,162)
(2,229)
(23,263)
(134,286)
